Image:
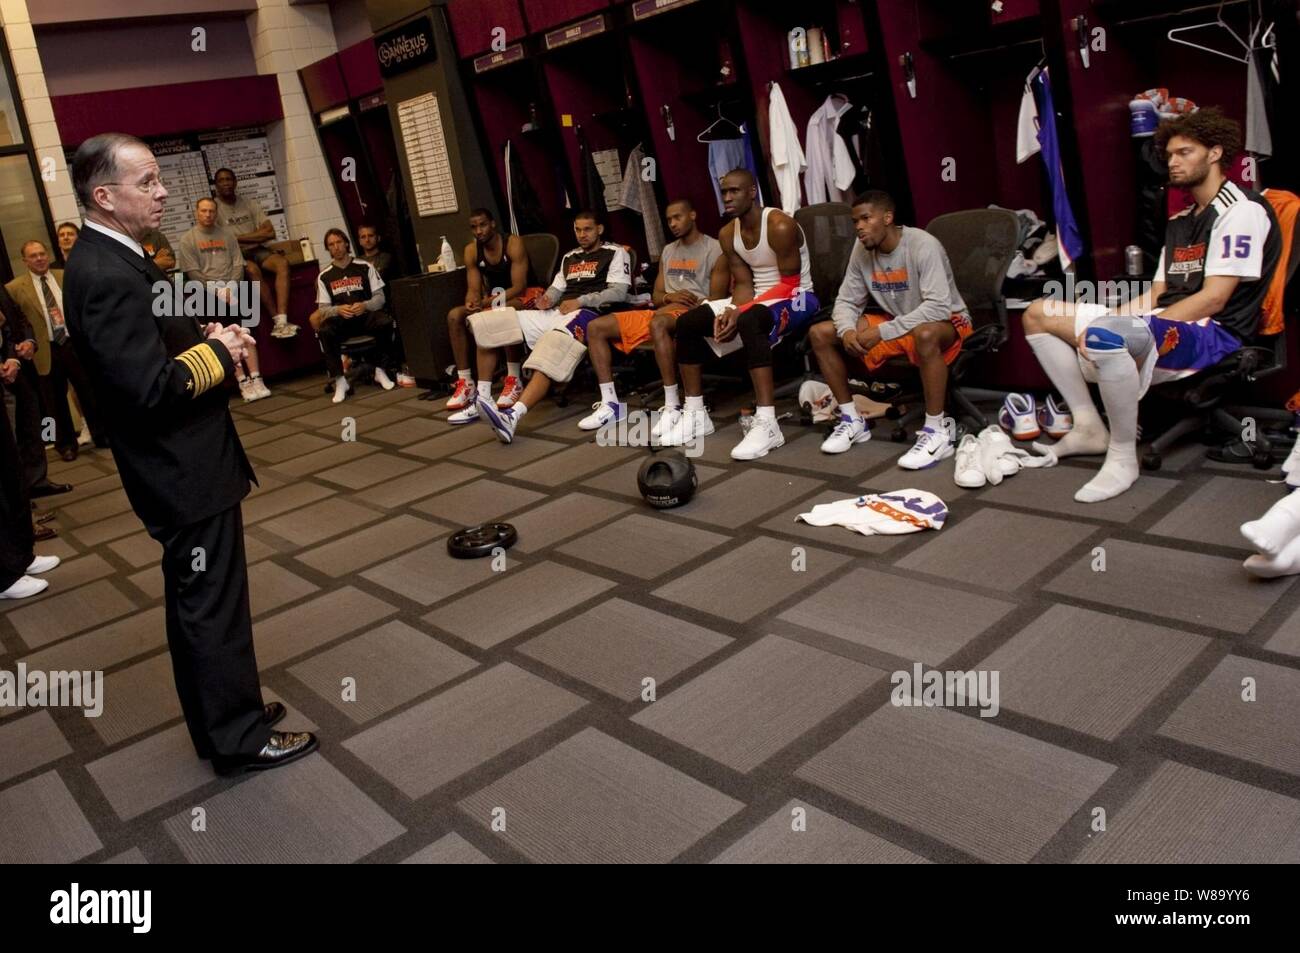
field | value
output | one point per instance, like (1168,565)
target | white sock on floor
(1274,531)
(671,397)
(485,389)
(694,403)
(514,369)
(766,412)
(1117,378)
(1285,563)
(465,375)
(608,393)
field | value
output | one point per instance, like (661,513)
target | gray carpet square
(645,545)
(40,823)
(1052,491)
(1214,513)
(557,520)
(592,799)
(140,549)
(106,646)
(1286,639)
(319,521)
(898,615)
(937,479)
(753,704)
(93,534)
(149,581)
(335,456)
(961,549)
(822,839)
(297,445)
(1088,671)
(430,574)
(263,434)
(1193,587)
(444,445)
(745,498)
(68,576)
(94,509)
(389,666)
(279,402)
(311,624)
(364,420)
(271,586)
(409,431)
(802,451)
(508,456)
(132,856)
(785,522)
(617,644)
(414,486)
(370,545)
(29,743)
(69,612)
(264,505)
(1185,816)
(997,795)
(85,490)
(372,396)
(1264,730)
(571,465)
(519,600)
(622,478)
(304,813)
(477,502)
(137,698)
(751,579)
(370,470)
(438,740)
(449,849)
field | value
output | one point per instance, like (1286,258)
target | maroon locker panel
(323,83)
(472,23)
(544,14)
(1014,10)
(360,68)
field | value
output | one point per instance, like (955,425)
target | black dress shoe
(273,713)
(283,748)
(68,453)
(49,489)
(42,517)
(43,533)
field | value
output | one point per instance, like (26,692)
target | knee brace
(1113,335)
(755,329)
(557,355)
(496,328)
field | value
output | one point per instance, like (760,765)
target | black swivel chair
(543,249)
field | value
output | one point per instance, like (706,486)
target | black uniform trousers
(210,634)
(27,416)
(335,330)
(16,533)
(65,369)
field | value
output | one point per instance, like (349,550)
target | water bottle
(447,257)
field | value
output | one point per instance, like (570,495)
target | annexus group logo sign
(406,46)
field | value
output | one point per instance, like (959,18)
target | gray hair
(96,163)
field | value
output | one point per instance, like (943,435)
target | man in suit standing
(39,294)
(23,403)
(162,380)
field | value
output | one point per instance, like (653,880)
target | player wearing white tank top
(771,297)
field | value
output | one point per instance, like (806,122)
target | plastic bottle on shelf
(447,257)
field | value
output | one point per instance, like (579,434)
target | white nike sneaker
(1019,417)
(502,421)
(690,425)
(341,388)
(968,472)
(602,413)
(25,587)
(764,435)
(259,386)
(665,420)
(931,446)
(42,564)
(383,380)
(466,416)
(847,432)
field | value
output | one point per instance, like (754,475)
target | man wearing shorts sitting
(898,299)
(1214,271)
(244,217)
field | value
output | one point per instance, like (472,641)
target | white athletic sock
(519,408)
(766,412)
(485,389)
(694,403)
(465,375)
(514,369)
(934,422)
(1061,362)
(1285,563)
(671,397)
(608,393)
(850,410)
(1117,378)
(1273,531)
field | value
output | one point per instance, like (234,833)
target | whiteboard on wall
(426,155)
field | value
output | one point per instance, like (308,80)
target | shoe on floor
(247,390)
(511,389)
(503,422)
(602,413)
(383,380)
(666,418)
(465,416)
(282,328)
(968,472)
(462,396)
(764,435)
(284,747)
(341,388)
(931,446)
(847,432)
(260,388)
(1055,418)
(25,587)
(1019,417)
(42,564)
(690,424)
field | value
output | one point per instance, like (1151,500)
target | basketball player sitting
(1218,257)
(771,297)
(901,277)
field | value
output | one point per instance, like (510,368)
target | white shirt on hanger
(786,154)
(830,167)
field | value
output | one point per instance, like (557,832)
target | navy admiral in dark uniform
(162,382)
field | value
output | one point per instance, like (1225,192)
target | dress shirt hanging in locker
(831,169)
(786,155)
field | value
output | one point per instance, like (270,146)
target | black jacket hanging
(525,210)
(592,183)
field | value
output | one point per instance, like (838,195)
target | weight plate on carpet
(478,541)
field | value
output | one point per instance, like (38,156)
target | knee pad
(1113,333)
(496,328)
(557,355)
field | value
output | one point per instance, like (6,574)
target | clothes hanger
(1218,21)
(721,119)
